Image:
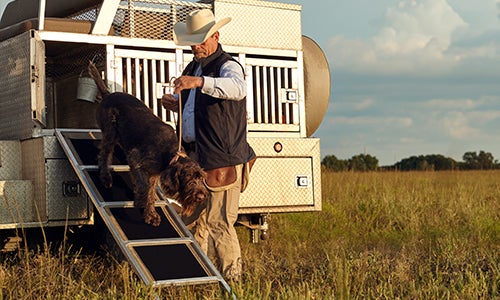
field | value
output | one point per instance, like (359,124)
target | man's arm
(230,85)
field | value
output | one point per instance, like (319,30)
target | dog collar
(176,156)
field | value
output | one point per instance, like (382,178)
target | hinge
(34,73)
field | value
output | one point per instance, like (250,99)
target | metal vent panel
(151,19)
(260,24)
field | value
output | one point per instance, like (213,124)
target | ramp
(161,256)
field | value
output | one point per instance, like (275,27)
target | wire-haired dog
(151,150)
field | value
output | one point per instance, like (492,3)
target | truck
(48,132)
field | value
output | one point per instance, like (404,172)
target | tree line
(472,160)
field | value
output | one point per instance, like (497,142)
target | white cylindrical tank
(316,84)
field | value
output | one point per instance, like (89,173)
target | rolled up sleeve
(230,85)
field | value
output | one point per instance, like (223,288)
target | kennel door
(142,74)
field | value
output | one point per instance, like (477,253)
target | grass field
(383,235)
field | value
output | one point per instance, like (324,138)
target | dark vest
(220,125)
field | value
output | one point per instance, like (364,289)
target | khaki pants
(214,229)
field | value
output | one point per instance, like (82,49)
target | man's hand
(170,102)
(187,83)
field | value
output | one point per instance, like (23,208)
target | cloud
(468,125)
(456,124)
(364,104)
(416,26)
(468,104)
(416,38)
(456,104)
(373,121)
(351,104)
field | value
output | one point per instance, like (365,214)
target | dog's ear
(169,181)
(195,171)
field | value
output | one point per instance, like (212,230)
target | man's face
(206,48)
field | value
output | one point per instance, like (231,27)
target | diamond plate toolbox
(286,176)
(56,186)
(66,198)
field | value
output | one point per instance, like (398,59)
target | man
(214,124)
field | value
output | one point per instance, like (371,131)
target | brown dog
(150,147)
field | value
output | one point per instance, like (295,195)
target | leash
(179,125)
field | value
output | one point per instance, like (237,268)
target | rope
(179,149)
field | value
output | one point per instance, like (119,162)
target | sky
(409,77)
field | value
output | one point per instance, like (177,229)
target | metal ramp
(161,256)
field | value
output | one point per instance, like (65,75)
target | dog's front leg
(154,217)
(145,195)
(106,157)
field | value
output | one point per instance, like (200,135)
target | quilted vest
(220,125)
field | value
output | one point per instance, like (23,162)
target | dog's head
(184,180)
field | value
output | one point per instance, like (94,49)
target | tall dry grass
(411,235)
(416,235)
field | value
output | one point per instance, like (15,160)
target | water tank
(316,83)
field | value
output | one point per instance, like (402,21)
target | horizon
(495,159)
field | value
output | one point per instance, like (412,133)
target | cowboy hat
(199,26)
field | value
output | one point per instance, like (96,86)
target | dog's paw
(106,179)
(151,217)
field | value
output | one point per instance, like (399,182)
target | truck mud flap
(161,256)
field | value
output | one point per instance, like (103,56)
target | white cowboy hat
(199,26)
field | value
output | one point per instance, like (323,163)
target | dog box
(39,96)
(39,186)
(286,176)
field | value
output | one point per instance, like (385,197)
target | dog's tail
(94,73)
